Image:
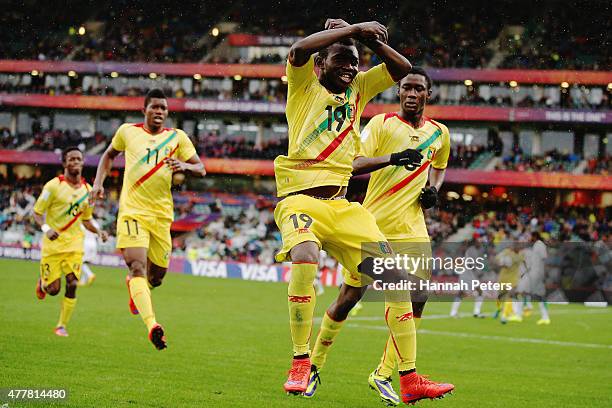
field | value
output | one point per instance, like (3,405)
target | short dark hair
(68,150)
(154,93)
(416,70)
(348,42)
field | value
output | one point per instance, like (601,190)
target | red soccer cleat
(157,337)
(133,308)
(61,331)
(40,293)
(299,374)
(414,387)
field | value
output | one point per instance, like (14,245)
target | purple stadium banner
(266,168)
(206,268)
(439,112)
(277,71)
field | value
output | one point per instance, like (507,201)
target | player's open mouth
(346,77)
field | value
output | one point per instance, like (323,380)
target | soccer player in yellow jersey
(60,210)
(509,260)
(152,154)
(396,196)
(323,113)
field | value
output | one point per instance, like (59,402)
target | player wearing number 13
(323,114)
(152,154)
(60,211)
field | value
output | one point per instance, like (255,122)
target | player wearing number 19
(323,114)
(60,211)
(152,154)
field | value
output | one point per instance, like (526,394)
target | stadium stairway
(25,145)
(97,148)
(580,168)
(493,163)
(481,161)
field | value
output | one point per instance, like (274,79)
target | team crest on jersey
(430,153)
(385,248)
(167,150)
(351,111)
(414,138)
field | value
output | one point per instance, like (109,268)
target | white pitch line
(488,337)
(446,316)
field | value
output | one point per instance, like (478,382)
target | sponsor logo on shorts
(404,317)
(303,230)
(326,343)
(299,299)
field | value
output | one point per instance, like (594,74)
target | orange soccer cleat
(299,374)
(61,331)
(414,387)
(40,293)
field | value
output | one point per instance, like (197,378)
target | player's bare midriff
(324,192)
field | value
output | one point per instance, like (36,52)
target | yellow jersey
(147,179)
(64,207)
(510,262)
(393,192)
(323,128)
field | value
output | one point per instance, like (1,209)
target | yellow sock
(141,295)
(403,333)
(329,330)
(301,299)
(389,358)
(66,310)
(507,310)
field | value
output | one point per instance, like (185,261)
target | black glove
(429,197)
(410,158)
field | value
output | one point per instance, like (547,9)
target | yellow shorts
(52,267)
(337,226)
(419,255)
(143,231)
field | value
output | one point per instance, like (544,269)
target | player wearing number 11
(152,154)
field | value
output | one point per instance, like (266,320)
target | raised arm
(301,51)
(397,64)
(104,167)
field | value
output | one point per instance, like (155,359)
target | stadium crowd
(551,161)
(431,34)
(249,89)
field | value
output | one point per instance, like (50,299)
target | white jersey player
(537,275)
(474,251)
(90,253)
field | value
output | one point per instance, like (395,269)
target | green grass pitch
(229,346)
